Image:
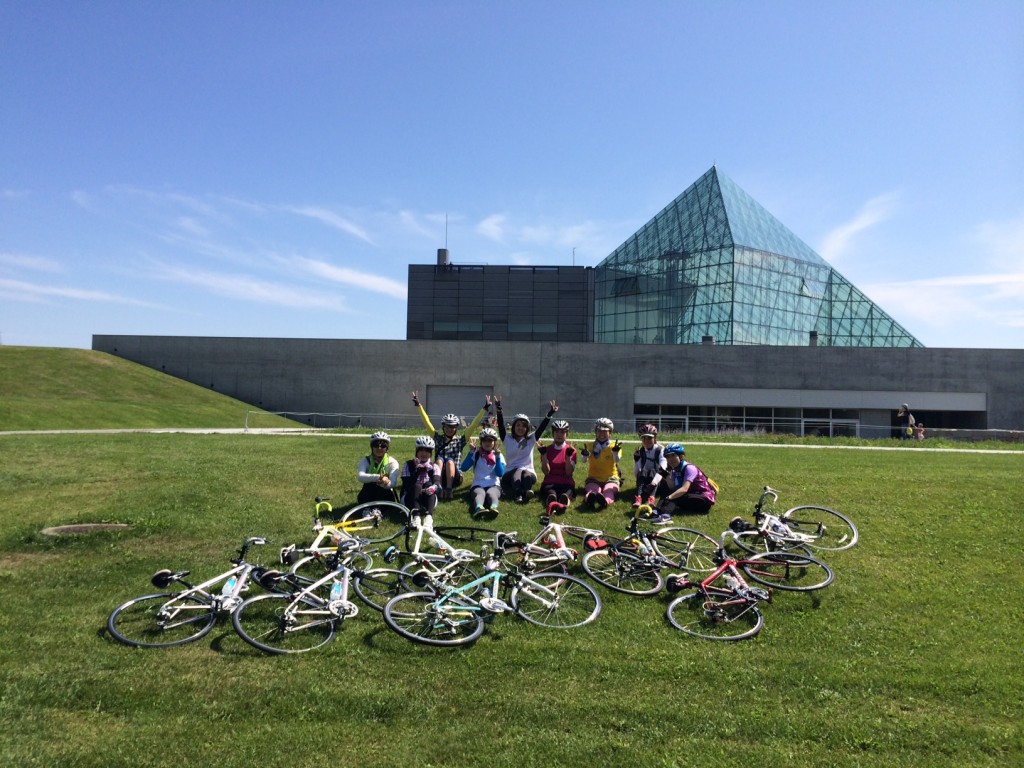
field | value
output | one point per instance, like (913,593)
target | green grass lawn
(911,658)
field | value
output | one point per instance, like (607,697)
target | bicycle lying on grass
(724,606)
(802,528)
(306,563)
(447,616)
(634,564)
(430,552)
(391,520)
(309,617)
(549,550)
(173,618)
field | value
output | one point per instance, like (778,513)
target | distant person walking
(905,419)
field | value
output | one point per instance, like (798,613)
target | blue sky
(271,169)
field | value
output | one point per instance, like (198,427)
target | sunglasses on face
(380,445)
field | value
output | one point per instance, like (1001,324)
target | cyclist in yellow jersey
(602,455)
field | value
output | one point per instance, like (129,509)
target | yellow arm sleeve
(476,421)
(426,419)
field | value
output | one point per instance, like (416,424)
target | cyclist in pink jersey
(558,463)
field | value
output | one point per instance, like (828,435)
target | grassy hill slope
(51,388)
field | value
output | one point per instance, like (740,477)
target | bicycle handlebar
(768,491)
(248,543)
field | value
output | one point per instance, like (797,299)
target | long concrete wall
(371,376)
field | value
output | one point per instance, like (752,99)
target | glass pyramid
(714,263)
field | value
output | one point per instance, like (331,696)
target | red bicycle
(723,606)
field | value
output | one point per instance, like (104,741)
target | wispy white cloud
(1002,241)
(411,222)
(363,280)
(21,291)
(331,219)
(993,295)
(34,263)
(191,226)
(492,227)
(547,242)
(248,288)
(836,243)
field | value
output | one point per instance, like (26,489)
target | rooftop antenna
(446,230)
(574,257)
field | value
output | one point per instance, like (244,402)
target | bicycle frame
(792,530)
(223,603)
(445,551)
(332,532)
(500,581)
(729,568)
(306,602)
(548,547)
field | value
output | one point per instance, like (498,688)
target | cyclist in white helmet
(557,462)
(378,472)
(520,440)
(649,465)
(449,444)
(421,479)
(602,455)
(488,466)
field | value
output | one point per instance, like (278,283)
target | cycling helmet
(377,437)
(450,420)
(604,424)
(488,432)
(675,449)
(648,429)
(560,424)
(425,442)
(522,417)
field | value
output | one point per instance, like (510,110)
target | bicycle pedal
(494,605)
(228,603)
(343,608)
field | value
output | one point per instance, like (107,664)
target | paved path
(322,433)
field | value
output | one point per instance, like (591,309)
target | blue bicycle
(449,616)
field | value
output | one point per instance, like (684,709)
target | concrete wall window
(825,422)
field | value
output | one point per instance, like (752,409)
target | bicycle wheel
(277,623)
(160,621)
(394,519)
(555,600)
(423,617)
(453,575)
(788,570)
(310,569)
(715,616)
(827,529)
(689,549)
(375,587)
(623,572)
(761,542)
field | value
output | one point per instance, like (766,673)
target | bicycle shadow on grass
(804,600)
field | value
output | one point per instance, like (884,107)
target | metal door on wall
(464,401)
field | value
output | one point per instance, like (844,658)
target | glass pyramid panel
(715,263)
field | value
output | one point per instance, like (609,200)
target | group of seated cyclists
(666,482)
